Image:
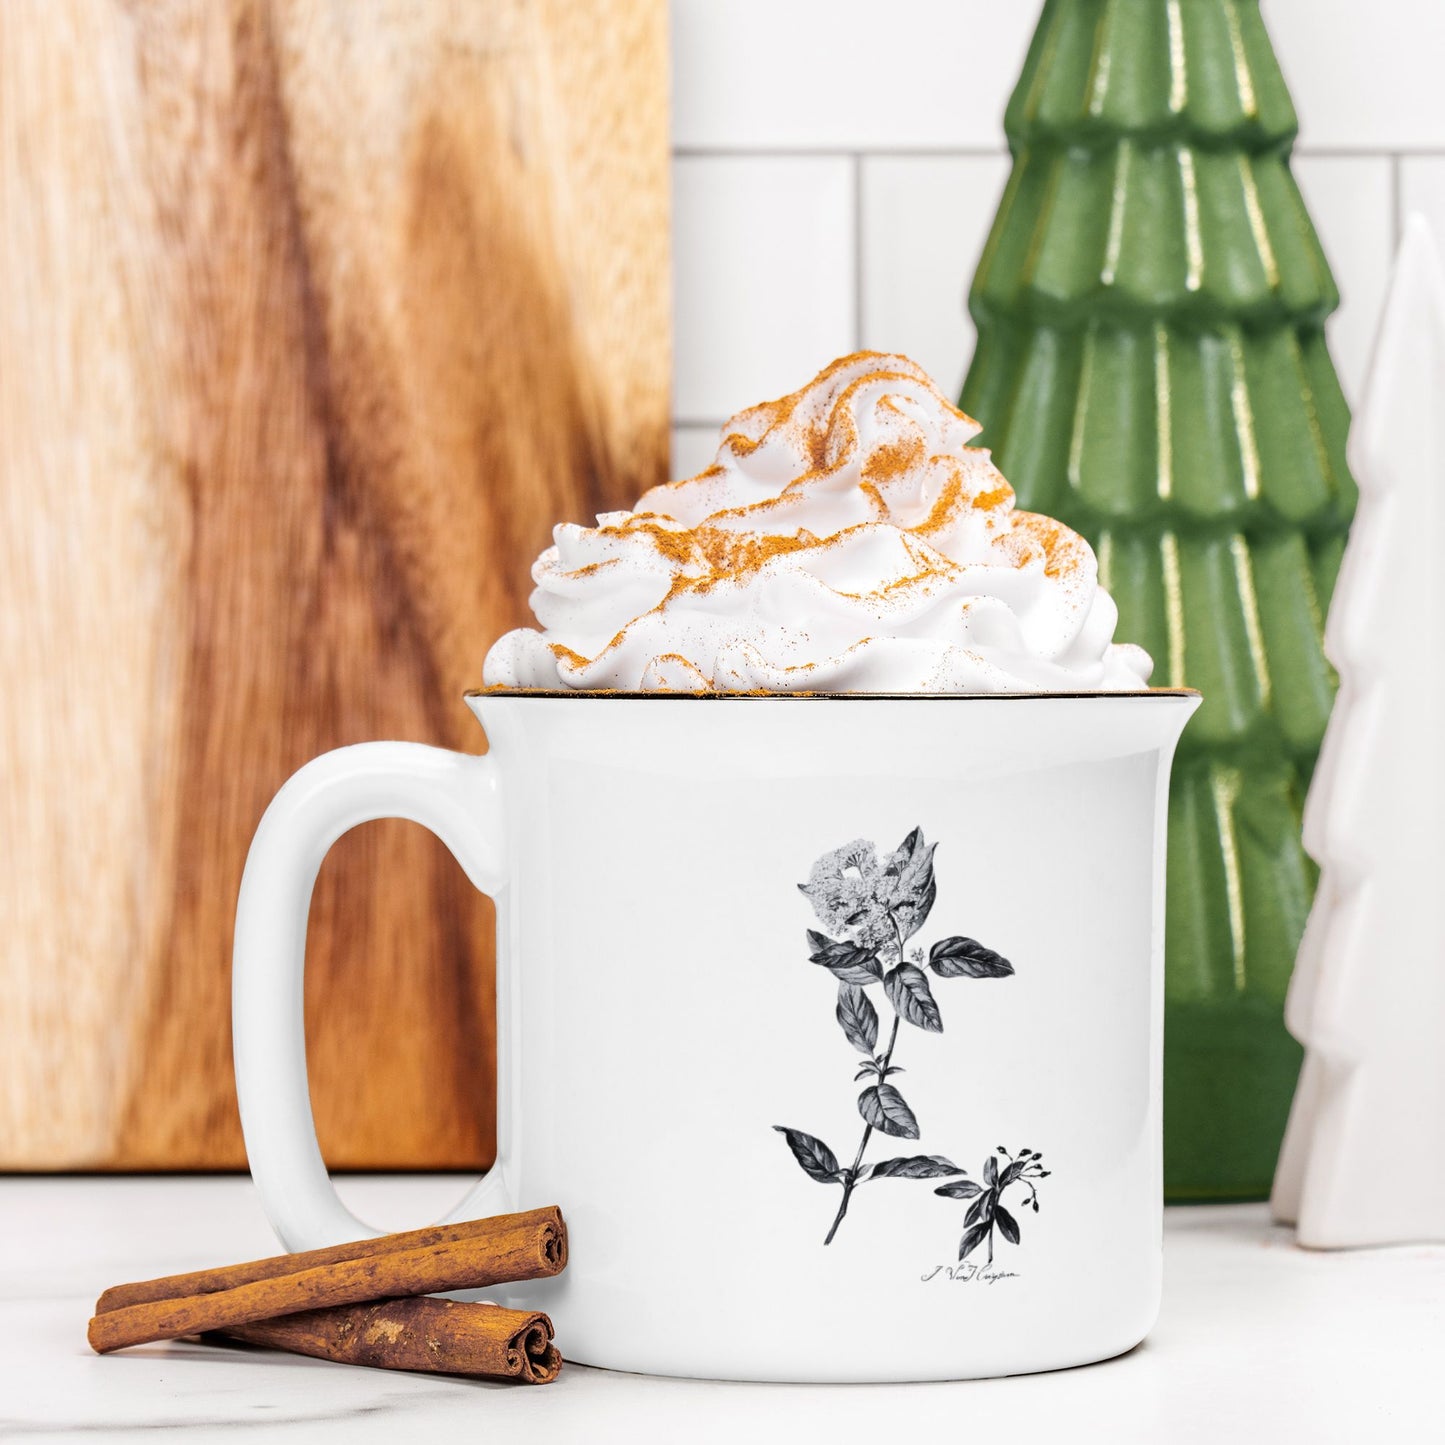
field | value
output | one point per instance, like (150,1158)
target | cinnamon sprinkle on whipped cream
(846,539)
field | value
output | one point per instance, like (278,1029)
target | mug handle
(455,795)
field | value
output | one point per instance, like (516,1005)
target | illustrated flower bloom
(843,888)
(861,898)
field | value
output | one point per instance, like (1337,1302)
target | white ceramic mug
(833,1024)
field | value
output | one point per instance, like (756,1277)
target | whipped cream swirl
(846,539)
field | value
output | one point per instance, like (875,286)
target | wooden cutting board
(316,318)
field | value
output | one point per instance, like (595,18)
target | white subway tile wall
(853,75)
(1422,189)
(693,448)
(1351,200)
(765,276)
(1364,74)
(838,162)
(925,219)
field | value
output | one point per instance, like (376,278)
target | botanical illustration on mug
(871,908)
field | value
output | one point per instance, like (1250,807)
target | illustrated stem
(848,1187)
(892,1040)
(852,1176)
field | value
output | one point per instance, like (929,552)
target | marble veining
(1256,1336)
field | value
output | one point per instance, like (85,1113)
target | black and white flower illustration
(872,907)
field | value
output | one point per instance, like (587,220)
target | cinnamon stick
(494,1232)
(480,1252)
(436,1335)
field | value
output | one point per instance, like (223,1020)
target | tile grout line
(836,153)
(1302,151)
(857,252)
(1397,201)
(988,152)
(1363,153)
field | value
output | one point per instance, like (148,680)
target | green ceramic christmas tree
(1151,368)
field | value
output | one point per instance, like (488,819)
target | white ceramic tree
(1363,1160)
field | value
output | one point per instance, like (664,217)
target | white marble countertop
(1258,1341)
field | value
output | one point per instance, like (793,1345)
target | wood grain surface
(314,318)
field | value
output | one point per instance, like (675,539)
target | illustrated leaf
(847,961)
(858,1018)
(882,1106)
(914,911)
(966,958)
(917,1166)
(972,1238)
(909,877)
(1012,1172)
(981,1208)
(990,1171)
(906,885)
(959,1189)
(908,992)
(915,858)
(818,1160)
(1007,1224)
